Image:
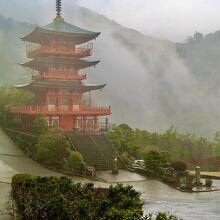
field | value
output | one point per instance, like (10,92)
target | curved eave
(36,86)
(25,86)
(39,33)
(38,63)
(93,87)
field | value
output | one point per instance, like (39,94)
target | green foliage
(59,198)
(39,125)
(216,148)
(160,216)
(208,182)
(52,147)
(123,138)
(181,146)
(75,160)
(155,160)
(24,141)
(12,97)
(125,158)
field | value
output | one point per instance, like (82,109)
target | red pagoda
(56,51)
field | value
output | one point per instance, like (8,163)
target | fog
(149,85)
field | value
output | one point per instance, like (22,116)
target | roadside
(212,175)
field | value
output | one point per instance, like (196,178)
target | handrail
(60,75)
(71,143)
(113,148)
(60,109)
(80,51)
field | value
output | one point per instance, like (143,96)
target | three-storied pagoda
(56,51)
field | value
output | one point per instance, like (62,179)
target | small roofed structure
(56,51)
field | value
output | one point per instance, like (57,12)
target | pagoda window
(47,120)
(64,101)
(55,121)
(52,100)
(79,121)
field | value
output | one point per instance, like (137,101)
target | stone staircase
(96,150)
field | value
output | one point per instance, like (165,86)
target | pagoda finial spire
(58,7)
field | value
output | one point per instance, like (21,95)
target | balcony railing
(59,75)
(65,110)
(59,50)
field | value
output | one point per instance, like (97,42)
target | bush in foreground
(59,198)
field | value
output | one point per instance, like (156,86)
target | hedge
(60,198)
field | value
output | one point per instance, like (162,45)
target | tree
(12,97)
(52,147)
(39,125)
(123,138)
(75,160)
(216,147)
(179,166)
(156,160)
(152,160)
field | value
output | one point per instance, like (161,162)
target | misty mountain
(151,83)
(12,50)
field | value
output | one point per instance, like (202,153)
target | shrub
(179,166)
(155,161)
(124,157)
(75,160)
(52,148)
(24,141)
(59,198)
(208,182)
(39,125)
(160,216)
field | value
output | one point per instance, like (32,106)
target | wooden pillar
(47,99)
(50,121)
(84,123)
(90,99)
(95,123)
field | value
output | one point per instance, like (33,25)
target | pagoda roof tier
(60,28)
(44,62)
(35,86)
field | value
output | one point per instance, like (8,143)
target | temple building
(58,51)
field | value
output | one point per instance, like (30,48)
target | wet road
(157,196)
(160,197)
(190,206)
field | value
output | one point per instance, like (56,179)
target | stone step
(96,150)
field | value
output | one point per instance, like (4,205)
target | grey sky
(167,19)
(174,20)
